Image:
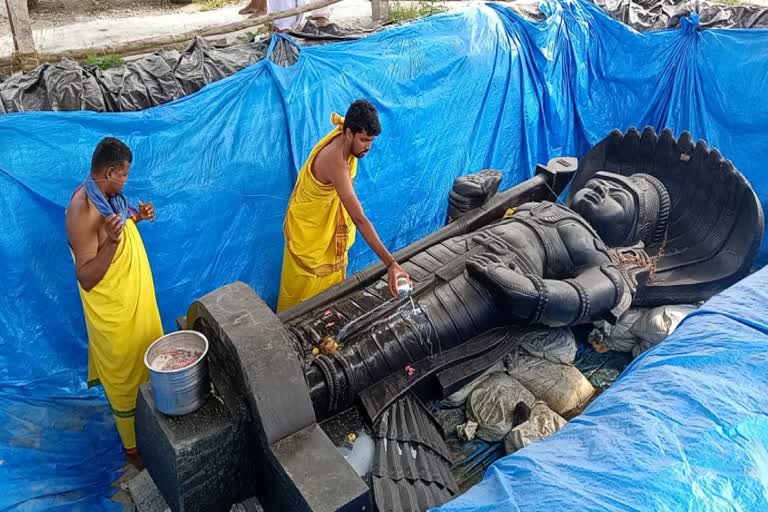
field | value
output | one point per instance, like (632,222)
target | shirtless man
(115,282)
(324,211)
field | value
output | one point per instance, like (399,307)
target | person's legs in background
(321,16)
(257,7)
(291,22)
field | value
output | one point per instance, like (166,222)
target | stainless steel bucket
(182,391)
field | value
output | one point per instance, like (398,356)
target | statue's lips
(593,197)
(588,199)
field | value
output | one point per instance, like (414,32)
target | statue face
(609,207)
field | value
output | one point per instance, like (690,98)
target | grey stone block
(251,349)
(197,461)
(316,476)
(264,434)
(145,494)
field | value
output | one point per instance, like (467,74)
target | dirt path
(54,13)
(68,24)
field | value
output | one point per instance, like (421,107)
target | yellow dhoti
(122,319)
(318,232)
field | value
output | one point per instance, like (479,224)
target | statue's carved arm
(591,295)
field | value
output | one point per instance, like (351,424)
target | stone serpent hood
(715,221)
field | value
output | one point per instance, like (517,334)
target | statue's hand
(481,263)
(518,293)
(597,292)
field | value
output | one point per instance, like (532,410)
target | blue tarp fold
(683,428)
(457,93)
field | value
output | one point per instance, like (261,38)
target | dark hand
(393,272)
(516,291)
(146,211)
(481,266)
(114,227)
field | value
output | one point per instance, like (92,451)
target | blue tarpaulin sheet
(683,428)
(458,92)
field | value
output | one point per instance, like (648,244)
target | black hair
(362,116)
(110,151)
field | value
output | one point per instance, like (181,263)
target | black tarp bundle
(146,82)
(170,74)
(149,81)
(644,15)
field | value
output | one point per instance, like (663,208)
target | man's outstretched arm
(346,191)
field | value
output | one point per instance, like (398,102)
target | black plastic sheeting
(146,82)
(645,15)
(167,75)
(149,81)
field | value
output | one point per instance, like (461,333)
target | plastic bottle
(403,285)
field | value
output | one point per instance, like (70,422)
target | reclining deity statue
(649,220)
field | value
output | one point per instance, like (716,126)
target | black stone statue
(650,221)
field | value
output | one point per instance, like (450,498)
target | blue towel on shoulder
(114,205)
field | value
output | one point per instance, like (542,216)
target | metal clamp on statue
(649,220)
